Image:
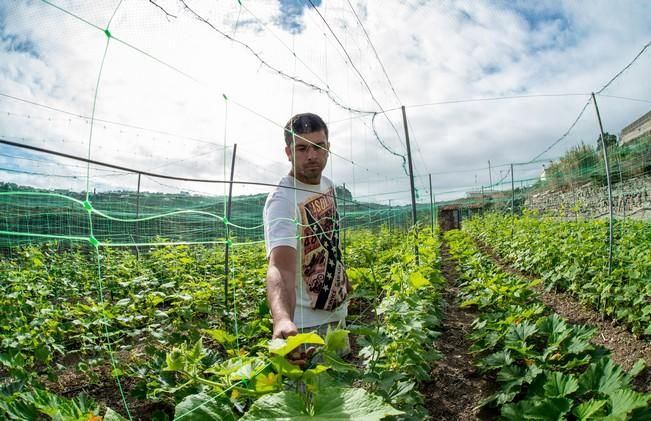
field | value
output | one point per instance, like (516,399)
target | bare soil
(626,349)
(456,387)
(71,383)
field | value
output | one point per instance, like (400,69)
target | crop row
(156,322)
(543,367)
(573,256)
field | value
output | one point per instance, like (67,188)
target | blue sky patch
(15,44)
(11,42)
(291,14)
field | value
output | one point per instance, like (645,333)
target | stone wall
(631,198)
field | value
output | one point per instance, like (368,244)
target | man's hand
(283,329)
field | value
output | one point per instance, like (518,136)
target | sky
(170,87)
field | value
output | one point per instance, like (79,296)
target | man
(306,280)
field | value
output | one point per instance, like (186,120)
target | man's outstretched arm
(281,292)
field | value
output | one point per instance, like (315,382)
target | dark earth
(456,387)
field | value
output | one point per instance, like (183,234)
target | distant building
(637,129)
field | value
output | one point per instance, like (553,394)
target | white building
(636,129)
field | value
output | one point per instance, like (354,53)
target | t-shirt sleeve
(278,218)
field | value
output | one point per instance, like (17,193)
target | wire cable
(366,85)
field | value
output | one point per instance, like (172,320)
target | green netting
(114,205)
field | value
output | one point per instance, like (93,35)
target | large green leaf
(111,415)
(175,360)
(496,360)
(336,340)
(624,401)
(18,410)
(352,403)
(637,368)
(284,367)
(588,409)
(516,338)
(283,347)
(604,376)
(555,328)
(560,385)
(417,280)
(220,336)
(278,406)
(332,404)
(337,363)
(547,409)
(202,407)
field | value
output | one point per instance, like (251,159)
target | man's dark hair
(302,124)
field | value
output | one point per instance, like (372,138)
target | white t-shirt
(308,221)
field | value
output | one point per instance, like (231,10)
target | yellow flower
(266,383)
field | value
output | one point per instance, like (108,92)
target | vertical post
(512,201)
(138,209)
(622,194)
(610,190)
(481,210)
(436,212)
(490,175)
(512,193)
(431,203)
(344,219)
(411,180)
(390,216)
(227,218)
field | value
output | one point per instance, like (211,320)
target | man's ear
(288,152)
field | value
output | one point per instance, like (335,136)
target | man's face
(308,155)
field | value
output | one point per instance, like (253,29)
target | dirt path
(625,348)
(456,387)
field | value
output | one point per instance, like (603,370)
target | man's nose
(313,152)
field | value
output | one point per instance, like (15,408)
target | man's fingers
(290,332)
(284,330)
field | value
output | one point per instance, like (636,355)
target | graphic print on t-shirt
(324,275)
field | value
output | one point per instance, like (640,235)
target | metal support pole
(512,193)
(431,203)
(512,201)
(411,181)
(481,211)
(490,175)
(436,212)
(138,209)
(344,218)
(610,190)
(227,220)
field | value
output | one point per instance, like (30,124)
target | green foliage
(573,256)
(283,347)
(201,406)
(576,167)
(545,368)
(162,312)
(331,404)
(583,164)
